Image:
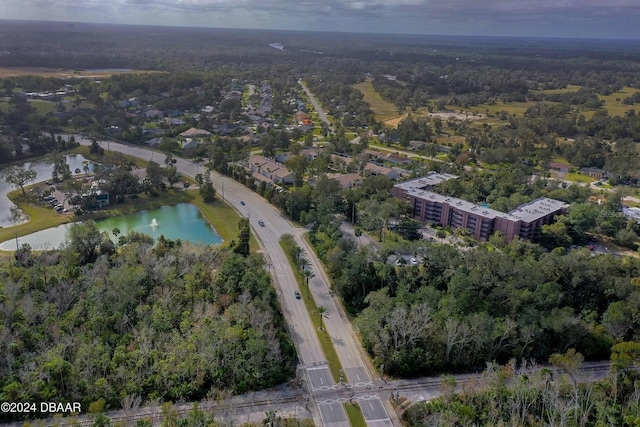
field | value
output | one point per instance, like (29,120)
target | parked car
(413,261)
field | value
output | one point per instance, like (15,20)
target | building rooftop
(459,204)
(538,208)
(427,181)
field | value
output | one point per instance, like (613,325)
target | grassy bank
(42,217)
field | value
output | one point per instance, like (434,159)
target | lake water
(182,221)
(44,170)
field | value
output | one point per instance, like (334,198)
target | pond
(182,221)
(9,214)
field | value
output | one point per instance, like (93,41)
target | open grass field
(394,121)
(383,109)
(613,103)
(512,108)
(569,88)
(63,74)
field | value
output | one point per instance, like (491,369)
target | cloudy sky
(553,18)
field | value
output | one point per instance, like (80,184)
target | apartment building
(524,222)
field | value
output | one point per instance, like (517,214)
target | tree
(308,274)
(322,311)
(95,147)
(85,240)
(206,190)
(556,234)
(298,165)
(244,234)
(18,177)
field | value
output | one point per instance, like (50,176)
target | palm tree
(308,274)
(322,310)
(271,418)
(297,251)
(304,262)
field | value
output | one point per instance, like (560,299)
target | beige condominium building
(524,222)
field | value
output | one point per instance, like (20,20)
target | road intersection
(317,376)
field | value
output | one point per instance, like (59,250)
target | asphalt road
(293,402)
(316,106)
(275,225)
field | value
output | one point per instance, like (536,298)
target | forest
(138,319)
(558,395)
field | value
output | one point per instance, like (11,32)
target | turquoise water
(182,221)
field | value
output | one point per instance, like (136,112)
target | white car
(413,261)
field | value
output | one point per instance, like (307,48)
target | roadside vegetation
(150,320)
(507,394)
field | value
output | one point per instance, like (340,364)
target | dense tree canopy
(169,321)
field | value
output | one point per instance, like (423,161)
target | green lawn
(383,109)
(578,177)
(42,217)
(613,103)
(84,151)
(43,107)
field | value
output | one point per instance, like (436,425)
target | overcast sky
(552,18)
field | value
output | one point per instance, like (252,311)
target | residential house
(275,172)
(310,153)
(153,114)
(596,173)
(189,143)
(303,118)
(416,145)
(373,169)
(559,167)
(195,133)
(397,160)
(346,180)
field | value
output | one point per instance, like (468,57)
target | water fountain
(154,223)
